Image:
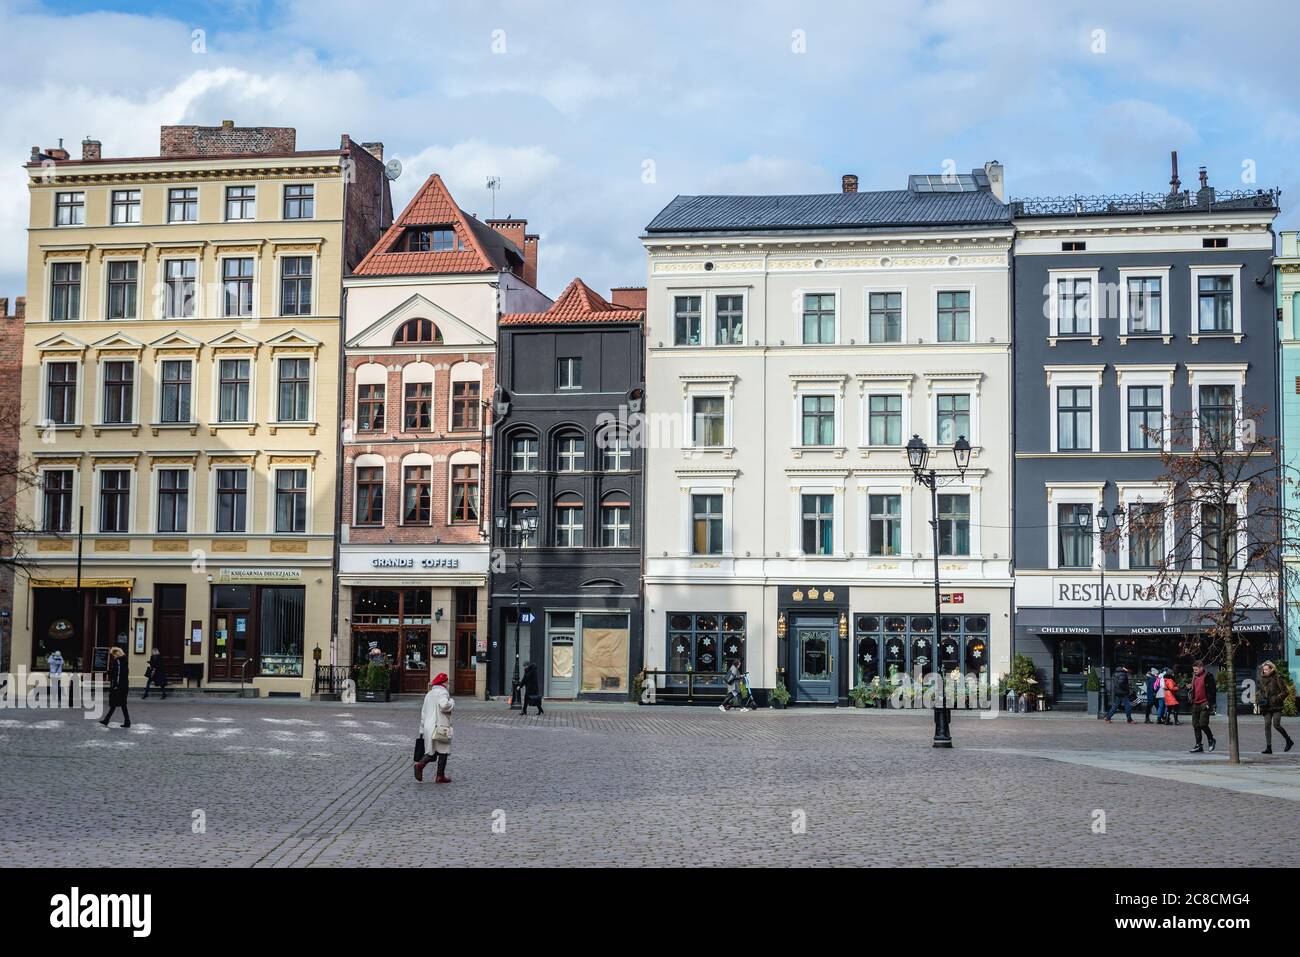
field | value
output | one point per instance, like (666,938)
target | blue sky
(595,114)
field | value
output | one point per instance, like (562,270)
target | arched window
(466,389)
(523,521)
(571,452)
(523,451)
(417,397)
(417,489)
(372,380)
(616,521)
(615,451)
(417,330)
(569,520)
(369,499)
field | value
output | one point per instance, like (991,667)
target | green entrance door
(816,664)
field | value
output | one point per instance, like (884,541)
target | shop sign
(243,576)
(953,598)
(1126,592)
(415,562)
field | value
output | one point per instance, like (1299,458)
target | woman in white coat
(435,725)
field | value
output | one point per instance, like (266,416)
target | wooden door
(466,674)
(415,660)
(169,629)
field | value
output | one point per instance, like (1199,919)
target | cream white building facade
(794,345)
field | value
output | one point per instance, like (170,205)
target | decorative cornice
(70,177)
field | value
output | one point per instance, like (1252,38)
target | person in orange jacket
(1168,692)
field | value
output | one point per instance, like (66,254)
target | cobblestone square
(302,784)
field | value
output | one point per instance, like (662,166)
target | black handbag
(419,748)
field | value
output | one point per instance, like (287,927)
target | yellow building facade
(180,402)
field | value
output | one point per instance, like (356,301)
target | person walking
(1204,691)
(55,662)
(732,680)
(1121,691)
(1167,689)
(529,689)
(435,725)
(119,685)
(155,675)
(1150,681)
(1270,702)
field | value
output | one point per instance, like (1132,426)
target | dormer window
(417,330)
(433,239)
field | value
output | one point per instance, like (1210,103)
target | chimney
(4,306)
(511,228)
(374,149)
(849,183)
(1205,195)
(226,140)
(91,149)
(530,258)
(628,297)
(993,170)
(20,308)
(57,152)
(1175,184)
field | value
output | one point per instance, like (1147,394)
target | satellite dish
(393,169)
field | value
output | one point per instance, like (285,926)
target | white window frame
(311,389)
(713,486)
(883,383)
(415,460)
(250,512)
(1144,272)
(467,370)
(315,197)
(160,303)
(77,422)
(155,497)
(198,205)
(1240,498)
(217,358)
(54,208)
(1054,276)
(1077,493)
(364,375)
(902,291)
(463,457)
(708,387)
(225,203)
(710,333)
(102,383)
(839,316)
(1074,377)
(84,263)
(139,206)
(1233,374)
(369,460)
(39,510)
(132,500)
(885,487)
(1129,494)
(819,485)
(1144,375)
(704,297)
(941,383)
(938,288)
(413,373)
(257,288)
(280,256)
(829,384)
(105,263)
(274,476)
(970,487)
(1196,273)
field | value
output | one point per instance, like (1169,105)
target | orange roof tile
(577,304)
(433,206)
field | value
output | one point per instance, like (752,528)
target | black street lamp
(1103,521)
(526,529)
(918,454)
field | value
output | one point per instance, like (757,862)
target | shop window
(604,652)
(704,643)
(280,630)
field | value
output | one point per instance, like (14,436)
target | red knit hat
(439,680)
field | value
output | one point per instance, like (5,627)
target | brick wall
(11,368)
(226,140)
(394,443)
(370,202)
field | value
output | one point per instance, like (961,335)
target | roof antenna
(494,184)
(1174,181)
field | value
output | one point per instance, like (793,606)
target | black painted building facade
(567,524)
(1130,311)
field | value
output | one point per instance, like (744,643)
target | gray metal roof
(834,211)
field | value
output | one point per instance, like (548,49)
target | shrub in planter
(372,683)
(638,686)
(860,694)
(778,695)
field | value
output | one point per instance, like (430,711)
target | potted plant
(1094,691)
(779,696)
(372,683)
(638,686)
(860,694)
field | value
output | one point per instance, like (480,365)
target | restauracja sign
(1143,593)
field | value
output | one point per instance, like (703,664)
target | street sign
(953,598)
(527,618)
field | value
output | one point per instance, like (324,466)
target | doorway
(562,654)
(1072,660)
(232,632)
(466,679)
(169,629)
(816,664)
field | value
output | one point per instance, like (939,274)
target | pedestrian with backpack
(1270,702)
(1121,692)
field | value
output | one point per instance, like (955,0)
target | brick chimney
(374,149)
(226,140)
(91,149)
(628,297)
(20,308)
(530,258)
(849,183)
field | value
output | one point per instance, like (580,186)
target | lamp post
(1103,521)
(527,526)
(918,455)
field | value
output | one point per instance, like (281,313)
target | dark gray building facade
(568,497)
(1132,314)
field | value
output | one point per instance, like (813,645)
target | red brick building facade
(11,372)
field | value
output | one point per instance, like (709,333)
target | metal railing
(243,674)
(329,679)
(1149,204)
(688,686)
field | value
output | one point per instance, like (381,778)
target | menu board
(100,661)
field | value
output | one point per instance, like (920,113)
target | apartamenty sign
(1124,591)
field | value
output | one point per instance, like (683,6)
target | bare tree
(16,478)
(1221,532)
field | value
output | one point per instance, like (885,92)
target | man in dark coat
(1203,694)
(530,688)
(119,685)
(155,674)
(1121,688)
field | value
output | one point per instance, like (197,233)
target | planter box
(367,695)
(1094,702)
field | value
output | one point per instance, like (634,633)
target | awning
(1134,622)
(127,583)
